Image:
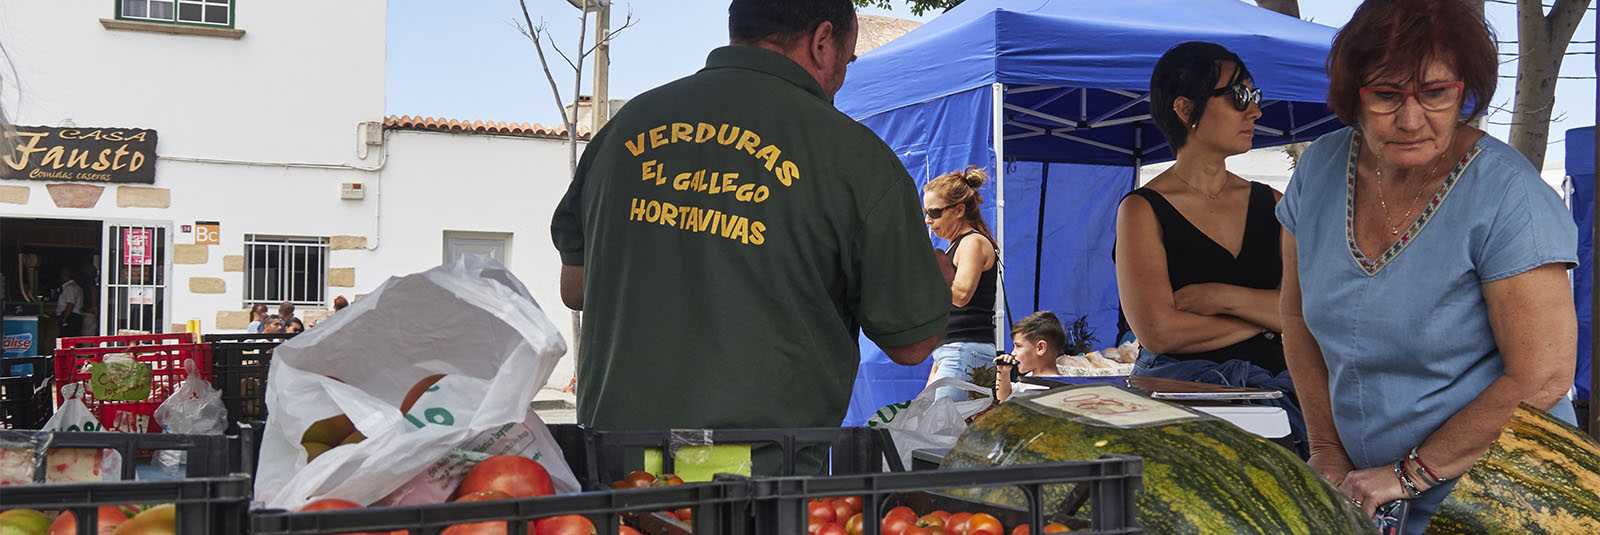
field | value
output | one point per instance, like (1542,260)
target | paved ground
(555,406)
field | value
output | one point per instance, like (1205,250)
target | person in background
(272,325)
(759,273)
(950,208)
(339,303)
(295,326)
(1425,290)
(1197,251)
(69,305)
(1036,341)
(258,313)
(285,310)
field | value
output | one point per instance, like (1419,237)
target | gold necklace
(1393,230)
(1213,196)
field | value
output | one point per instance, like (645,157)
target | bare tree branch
(626,23)
(532,33)
(553,46)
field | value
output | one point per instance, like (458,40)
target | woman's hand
(1206,299)
(1372,487)
(1330,463)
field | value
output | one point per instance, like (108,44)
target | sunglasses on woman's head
(1243,96)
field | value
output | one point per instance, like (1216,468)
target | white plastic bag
(470,320)
(78,465)
(926,423)
(194,408)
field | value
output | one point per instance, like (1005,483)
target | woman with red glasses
(1425,264)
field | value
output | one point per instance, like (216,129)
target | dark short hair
(1189,70)
(1042,325)
(1400,37)
(752,21)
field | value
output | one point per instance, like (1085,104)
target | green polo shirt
(737,232)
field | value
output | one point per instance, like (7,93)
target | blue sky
(469,62)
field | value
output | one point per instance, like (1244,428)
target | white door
(495,245)
(135,277)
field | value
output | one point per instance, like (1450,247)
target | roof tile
(444,124)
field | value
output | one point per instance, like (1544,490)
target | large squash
(1202,475)
(1540,476)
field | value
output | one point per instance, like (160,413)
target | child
(1037,340)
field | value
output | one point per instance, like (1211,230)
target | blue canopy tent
(1058,91)
(1580,170)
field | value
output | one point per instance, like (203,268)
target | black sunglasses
(935,213)
(1242,96)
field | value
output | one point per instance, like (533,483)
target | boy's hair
(1042,325)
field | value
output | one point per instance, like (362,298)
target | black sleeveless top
(1192,258)
(974,322)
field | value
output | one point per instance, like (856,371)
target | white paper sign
(1110,406)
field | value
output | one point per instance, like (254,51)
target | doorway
(41,261)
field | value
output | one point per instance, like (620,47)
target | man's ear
(820,45)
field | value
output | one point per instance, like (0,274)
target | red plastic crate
(166,366)
(125,340)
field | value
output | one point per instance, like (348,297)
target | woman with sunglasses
(1425,264)
(950,203)
(1197,247)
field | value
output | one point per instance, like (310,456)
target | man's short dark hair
(1042,325)
(1188,70)
(754,21)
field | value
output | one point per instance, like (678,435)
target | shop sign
(136,246)
(116,155)
(207,233)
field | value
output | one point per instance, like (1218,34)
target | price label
(1107,405)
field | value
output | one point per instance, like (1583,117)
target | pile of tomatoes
(843,516)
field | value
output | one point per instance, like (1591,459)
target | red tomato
(1052,527)
(484,496)
(820,513)
(932,519)
(480,528)
(330,504)
(841,511)
(685,514)
(984,522)
(896,524)
(566,525)
(915,530)
(517,476)
(668,480)
(957,523)
(853,526)
(625,530)
(902,510)
(831,528)
(638,478)
(110,516)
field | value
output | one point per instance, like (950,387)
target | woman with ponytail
(950,208)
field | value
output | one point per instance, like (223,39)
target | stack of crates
(25,398)
(163,353)
(239,371)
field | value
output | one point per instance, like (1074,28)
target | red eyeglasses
(1432,97)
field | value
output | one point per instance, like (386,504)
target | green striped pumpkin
(1202,475)
(1541,476)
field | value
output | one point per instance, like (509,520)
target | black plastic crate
(209,499)
(26,401)
(710,501)
(849,450)
(239,370)
(1108,485)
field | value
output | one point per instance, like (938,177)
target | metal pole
(999,107)
(602,66)
(1594,271)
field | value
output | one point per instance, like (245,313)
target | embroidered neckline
(1371,267)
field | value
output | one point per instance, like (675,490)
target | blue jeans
(954,359)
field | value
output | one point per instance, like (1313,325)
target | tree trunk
(1541,44)
(1287,7)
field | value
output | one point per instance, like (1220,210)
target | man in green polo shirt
(728,235)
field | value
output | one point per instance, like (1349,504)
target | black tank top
(1192,258)
(974,322)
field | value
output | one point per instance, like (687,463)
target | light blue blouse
(1406,336)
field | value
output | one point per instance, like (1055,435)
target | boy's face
(1030,355)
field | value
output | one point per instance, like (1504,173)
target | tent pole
(1038,239)
(998,101)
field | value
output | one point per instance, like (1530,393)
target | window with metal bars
(201,12)
(285,268)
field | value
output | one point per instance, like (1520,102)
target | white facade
(258,131)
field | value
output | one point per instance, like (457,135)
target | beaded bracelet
(1427,473)
(1405,480)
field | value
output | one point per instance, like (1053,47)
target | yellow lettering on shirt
(748,142)
(636,147)
(682,132)
(704,132)
(756,228)
(770,153)
(681,182)
(727,134)
(658,136)
(649,170)
(669,214)
(636,210)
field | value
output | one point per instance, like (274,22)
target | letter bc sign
(119,155)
